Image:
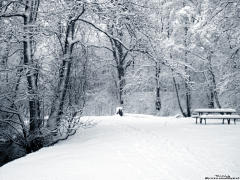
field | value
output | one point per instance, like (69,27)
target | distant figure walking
(119,111)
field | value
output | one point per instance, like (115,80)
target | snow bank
(133,148)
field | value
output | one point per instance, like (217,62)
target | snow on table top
(215,110)
(220,116)
(133,148)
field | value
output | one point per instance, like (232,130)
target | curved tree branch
(104,32)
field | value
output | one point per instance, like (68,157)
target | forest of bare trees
(61,59)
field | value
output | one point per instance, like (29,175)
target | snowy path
(136,147)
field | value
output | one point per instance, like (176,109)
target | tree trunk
(158,98)
(57,106)
(178,99)
(188,99)
(64,74)
(213,86)
(187,88)
(211,97)
(121,83)
(31,11)
(4,61)
(119,58)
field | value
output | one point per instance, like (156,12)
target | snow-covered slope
(136,147)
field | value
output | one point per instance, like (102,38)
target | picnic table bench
(214,114)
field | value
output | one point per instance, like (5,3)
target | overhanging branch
(13,15)
(104,32)
(101,47)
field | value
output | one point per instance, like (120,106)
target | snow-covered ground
(136,147)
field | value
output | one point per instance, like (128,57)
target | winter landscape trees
(65,58)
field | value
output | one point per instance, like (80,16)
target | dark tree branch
(9,110)
(59,39)
(15,52)
(101,47)
(13,15)
(220,10)
(83,10)
(104,32)
(9,3)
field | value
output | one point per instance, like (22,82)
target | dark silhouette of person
(120,112)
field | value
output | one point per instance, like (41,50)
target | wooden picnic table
(209,114)
(221,111)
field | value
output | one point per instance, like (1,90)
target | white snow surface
(215,110)
(136,147)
